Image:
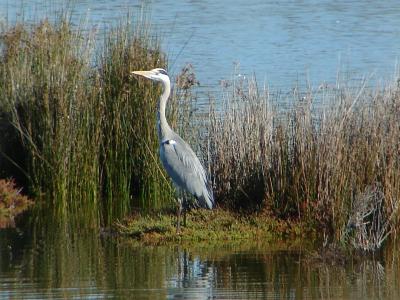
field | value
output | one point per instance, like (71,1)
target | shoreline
(217,225)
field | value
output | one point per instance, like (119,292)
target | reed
(47,93)
(313,161)
(130,164)
(78,131)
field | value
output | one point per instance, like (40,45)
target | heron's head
(157,74)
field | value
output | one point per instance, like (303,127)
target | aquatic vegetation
(314,161)
(130,167)
(12,203)
(46,96)
(78,132)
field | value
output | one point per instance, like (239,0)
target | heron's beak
(146,74)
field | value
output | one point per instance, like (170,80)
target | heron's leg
(178,216)
(184,216)
(184,208)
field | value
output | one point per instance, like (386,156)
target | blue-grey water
(284,43)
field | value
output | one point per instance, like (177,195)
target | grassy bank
(214,226)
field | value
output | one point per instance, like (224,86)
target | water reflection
(65,266)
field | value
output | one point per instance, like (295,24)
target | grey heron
(177,157)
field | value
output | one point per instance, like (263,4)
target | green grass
(209,226)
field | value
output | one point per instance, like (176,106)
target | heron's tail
(207,199)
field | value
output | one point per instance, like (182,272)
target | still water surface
(91,267)
(284,43)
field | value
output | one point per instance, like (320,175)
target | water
(91,267)
(284,43)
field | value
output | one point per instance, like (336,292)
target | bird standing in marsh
(177,157)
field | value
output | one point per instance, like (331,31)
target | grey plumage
(178,159)
(185,169)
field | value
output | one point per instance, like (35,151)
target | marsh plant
(12,203)
(332,160)
(76,129)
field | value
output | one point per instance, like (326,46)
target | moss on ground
(212,226)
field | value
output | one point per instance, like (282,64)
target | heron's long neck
(163,126)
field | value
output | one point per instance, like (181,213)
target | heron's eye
(162,71)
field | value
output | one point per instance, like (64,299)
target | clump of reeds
(47,93)
(313,161)
(238,137)
(130,164)
(82,132)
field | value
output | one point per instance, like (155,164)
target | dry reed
(312,162)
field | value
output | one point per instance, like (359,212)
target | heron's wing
(189,159)
(185,169)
